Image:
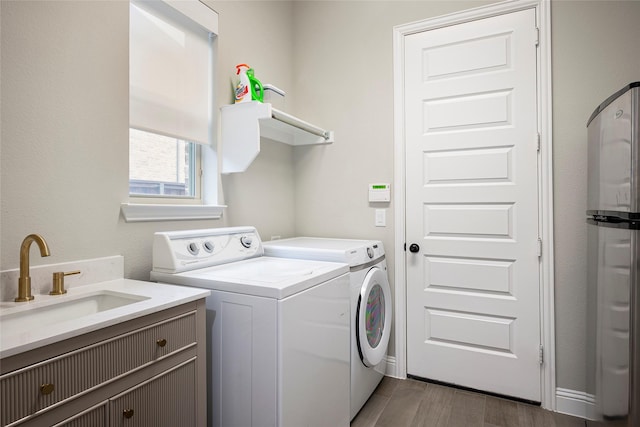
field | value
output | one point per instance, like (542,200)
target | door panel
(489,164)
(473,303)
(469,274)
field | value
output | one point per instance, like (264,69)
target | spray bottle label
(242,90)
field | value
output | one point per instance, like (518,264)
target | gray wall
(263,196)
(65,97)
(595,53)
(64,144)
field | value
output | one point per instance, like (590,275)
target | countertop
(154,297)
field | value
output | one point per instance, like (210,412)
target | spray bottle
(249,87)
(243,92)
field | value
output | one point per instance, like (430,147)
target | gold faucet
(24,282)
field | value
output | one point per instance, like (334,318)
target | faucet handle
(58,281)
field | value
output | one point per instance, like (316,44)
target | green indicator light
(379,187)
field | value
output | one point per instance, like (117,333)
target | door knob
(414,248)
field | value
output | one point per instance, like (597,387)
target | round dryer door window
(373,317)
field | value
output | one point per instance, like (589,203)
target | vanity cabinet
(149,371)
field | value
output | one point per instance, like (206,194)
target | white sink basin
(66,309)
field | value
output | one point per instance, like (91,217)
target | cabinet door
(167,400)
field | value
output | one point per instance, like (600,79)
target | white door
(473,302)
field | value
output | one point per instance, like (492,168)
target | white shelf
(243,124)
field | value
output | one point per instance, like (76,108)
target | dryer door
(373,317)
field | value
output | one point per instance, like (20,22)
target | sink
(65,309)
(86,308)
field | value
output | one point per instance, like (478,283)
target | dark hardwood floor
(411,403)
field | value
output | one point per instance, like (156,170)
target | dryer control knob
(246,241)
(370,253)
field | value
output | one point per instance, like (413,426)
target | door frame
(545,180)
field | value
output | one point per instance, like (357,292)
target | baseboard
(576,403)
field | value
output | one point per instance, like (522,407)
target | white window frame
(143,209)
(196,198)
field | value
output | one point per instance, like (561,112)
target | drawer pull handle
(161,342)
(128,413)
(46,389)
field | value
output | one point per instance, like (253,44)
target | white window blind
(170,69)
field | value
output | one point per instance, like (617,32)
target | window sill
(133,212)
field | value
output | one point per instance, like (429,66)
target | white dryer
(278,329)
(370,303)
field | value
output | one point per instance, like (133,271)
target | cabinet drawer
(55,380)
(94,417)
(167,400)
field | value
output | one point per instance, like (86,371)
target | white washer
(370,303)
(278,329)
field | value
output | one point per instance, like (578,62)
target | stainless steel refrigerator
(613,291)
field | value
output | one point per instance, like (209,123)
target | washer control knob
(193,248)
(208,246)
(370,252)
(246,241)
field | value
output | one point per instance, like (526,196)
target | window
(171,85)
(162,166)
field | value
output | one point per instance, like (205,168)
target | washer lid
(373,317)
(263,276)
(353,252)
